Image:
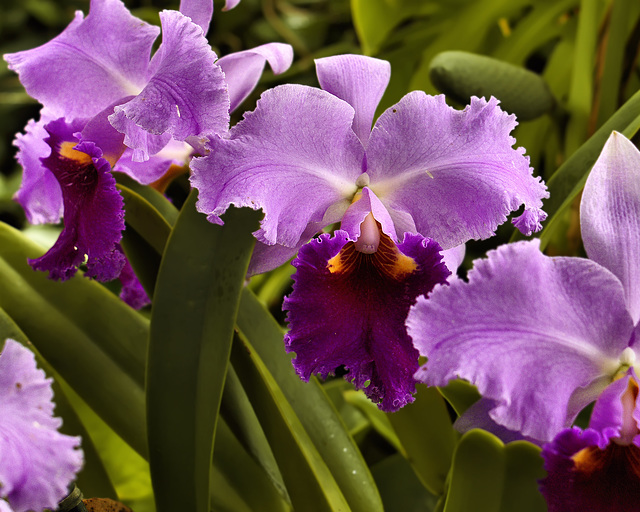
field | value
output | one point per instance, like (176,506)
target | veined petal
(93,208)
(358,80)
(295,156)
(454,172)
(186,94)
(610,215)
(242,70)
(39,195)
(200,12)
(531,332)
(37,463)
(348,309)
(94,62)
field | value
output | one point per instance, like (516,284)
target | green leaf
(197,294)
(461,75)
(312,406)
(460,394)
(487,476)
(87,334)
(427,436)
(309,482)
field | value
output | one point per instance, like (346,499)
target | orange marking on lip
(67,151)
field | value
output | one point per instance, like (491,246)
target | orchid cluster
(373,209)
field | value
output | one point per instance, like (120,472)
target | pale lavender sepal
(200,12)
(230,4)
(454,257)
(242,70)
(94,62)
(185,96)
(478,416)
(610,215)
(356,213)
(39,194)
(454,172)
(608,411)
(295,157)
(174,153)
(5,507)
(528,331)
(358,80)
(37,463)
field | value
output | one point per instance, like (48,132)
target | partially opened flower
(542,337)
(37,463)
(309,158)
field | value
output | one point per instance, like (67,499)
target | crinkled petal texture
(93,209)
(610,215)
(94,62)
(200,12)
(39,195)
(185,96)
(242,70)
(358,80)
(451,175)
(597,470)
(348,309)
(37,463)
(529,331)
(295,156)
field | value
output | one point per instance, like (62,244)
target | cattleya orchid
(542,337)
(124,110)
(425,177)
(37,463)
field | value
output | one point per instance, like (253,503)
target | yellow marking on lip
(67,151)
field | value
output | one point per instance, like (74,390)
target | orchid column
(425,177)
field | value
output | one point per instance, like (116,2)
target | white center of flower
(363,180)
(369,238)
(628,357)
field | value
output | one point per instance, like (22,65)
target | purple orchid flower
(141,111)
(542,337)
(37,463)
(309,158)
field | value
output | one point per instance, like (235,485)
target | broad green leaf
(159,202)
(460,394)
(309,482)
(194,308)
(87,334)
(400,488)
(238,414)
(488,476)
(92,479)
(312,406)
(143,258)
(461,75)
(427,436)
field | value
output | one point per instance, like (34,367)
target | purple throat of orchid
(348,307)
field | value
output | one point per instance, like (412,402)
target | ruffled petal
(174,153)
(93,63)
(531,332)
(295,157)
(348,309)
(581,477)
(610,215)
(242,70)
(39,194)
(93,209)
(358,80)
(185,96)
(37,463)
(200,12)
(132,292)
(454,172)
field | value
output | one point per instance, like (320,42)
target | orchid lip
(369,238)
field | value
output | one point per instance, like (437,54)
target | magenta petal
(37,463)
(242,70)
(39,193)
(584,478)
(610,215)
(93,63)
(358,80)
(455,173)
(350,312)
(186,94)
(295,157)
(132,292)
(93,209)
(528,331)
